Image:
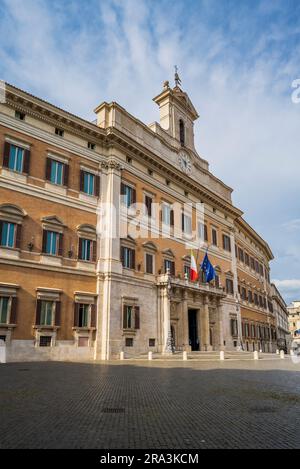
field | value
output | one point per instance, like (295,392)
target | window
(128,195)
(252,263)
(16,157)
(234,327)
(151,342)
(88,183)
(47,308)
(186,223)
(20,115)
(149,263)
(87,250)
(167,214)
(128,257)
(214,237)
(229,286)
(256,302)
(131,317)
(51,243)
(150,172)
(226,243)
(129,160)
(45,341)
(169,266)
(129,342)
(250,296)
(241,254)
(202,231)
(59,132)
(247,260)
(56,172)
(217,281)
(187,271)
(4,309)
(83,315)
(91,146)
(181,132)
(243,293)
(148,205)
(8,231)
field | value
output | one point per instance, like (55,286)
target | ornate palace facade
(96,225)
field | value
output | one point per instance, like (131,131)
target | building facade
(282,320)
(97,223)
(294,320)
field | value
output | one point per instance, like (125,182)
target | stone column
(185,322)
(108,236)
(205,325)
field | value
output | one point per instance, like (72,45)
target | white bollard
(282,354)
(121,355)
(277,351)
(222,355)
(292,352)
(184,356)
(255,355)
(149,355)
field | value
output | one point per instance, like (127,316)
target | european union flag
(208,269)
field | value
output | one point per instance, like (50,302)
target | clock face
(184,162)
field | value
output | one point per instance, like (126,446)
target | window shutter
(66,174)
(60,244)
(97,186)
(205,233)
(133,259)
(76,314)
(13,311)
(122,255)
(1,227)
(80,248)
(182,221)
(94,251)
(172,268)
(81,181)
(137,317)
(93,315)
(26,163)
(38,312)
(243,329)
(48,169)
(6,153)
(134,196)
(44,245)
(124,316)
(57,313)
(18,235)
(232,326)
(172,217)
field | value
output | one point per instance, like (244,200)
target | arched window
(181,132)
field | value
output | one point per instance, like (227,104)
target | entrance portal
(193,329)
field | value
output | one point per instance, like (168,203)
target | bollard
(255,355)
(149,355)
(121,355)
(277,351)
(222,355)
(184,356)
(282,354)
(292,352)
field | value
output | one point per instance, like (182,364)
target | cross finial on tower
(177,78)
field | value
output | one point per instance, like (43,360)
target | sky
(237,60)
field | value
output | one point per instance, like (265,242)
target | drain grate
(113,410)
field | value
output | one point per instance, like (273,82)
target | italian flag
(194,271)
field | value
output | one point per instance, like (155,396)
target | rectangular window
(128,342)
(149,263)
(151,342)
(128,257)
(52,243)
(250,296)
(88,183)
(229,286)
(166,214)
(234,327)
(47,313)
(83,315)
(85,253)
(128,320)
(243,293)
(241,254)
(57,172)
(202,231)
(16,157)
(214,237)
(256,299)
(148,205)
(252,263)
(45,341)
(187,271)
(4,309)
(169,266)
(8,234)
(186,223)
(128,195)
(226,243)
(247,260)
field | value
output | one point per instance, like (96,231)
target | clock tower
(177,113)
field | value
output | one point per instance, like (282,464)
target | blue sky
(237,60)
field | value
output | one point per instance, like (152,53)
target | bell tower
(177,113)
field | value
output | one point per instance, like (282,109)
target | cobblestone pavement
(150,405)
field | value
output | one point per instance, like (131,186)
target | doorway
(193,330)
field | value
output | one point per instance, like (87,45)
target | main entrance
(193,329)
